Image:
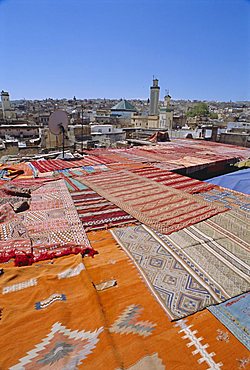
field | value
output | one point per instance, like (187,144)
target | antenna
(58,123)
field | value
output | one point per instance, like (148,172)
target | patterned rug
(191,155)
(81,171)
(174,180)
(59,164)
(141,333)
(19,170)
(163,208)
(53,313)
(52,219)
(50,228)
(94,211)
(190,269)
(229,198)
(234,314)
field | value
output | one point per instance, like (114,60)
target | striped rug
(173,179)
(163,208)
(59,164)
(94,211)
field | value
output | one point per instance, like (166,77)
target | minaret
(167,99)
(5,99)
(154,98)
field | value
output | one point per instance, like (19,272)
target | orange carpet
(20,170)
(141,331)
(51,319)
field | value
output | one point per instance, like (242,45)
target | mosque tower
(167,99)
(8,113)
(154,98)
(5,99)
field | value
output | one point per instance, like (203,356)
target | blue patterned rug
(234,314)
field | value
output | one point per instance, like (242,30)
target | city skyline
(108,49)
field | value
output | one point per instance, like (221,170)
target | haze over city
(198,49)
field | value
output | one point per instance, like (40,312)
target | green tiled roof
(124,105)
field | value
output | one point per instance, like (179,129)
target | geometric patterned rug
(187,271)
(229,198)
(41,307)
(53,220)
(50,228)
(234,314)
(199,342)
(94,211)
(161,207)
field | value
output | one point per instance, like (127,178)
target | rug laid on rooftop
(52,220)
(163,208)
(190,269)
(141,332)
(234,314)
(59,164)
(94,211)
(50,228)
(53,313)
(229,198)
(172,179)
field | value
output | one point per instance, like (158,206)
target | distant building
(166,114)
(238,126)
(7,112)
(123,108)
(102,129)
(154,98)
(107,135)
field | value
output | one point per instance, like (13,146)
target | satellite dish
(58,123)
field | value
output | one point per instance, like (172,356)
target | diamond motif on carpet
(62,348)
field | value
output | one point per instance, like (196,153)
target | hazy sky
(198,49)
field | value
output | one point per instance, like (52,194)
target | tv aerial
(58,123)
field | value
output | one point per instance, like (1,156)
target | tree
(200,109)
(213,115)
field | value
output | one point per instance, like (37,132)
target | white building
(102,129)
(238,125)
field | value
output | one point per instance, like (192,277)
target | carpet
(129,308)
(94,211)
(163,208)
(81,171)
(18,170)
(179,153)
(52,219)
(59,164)
(174,180)
(229,198)
(234,314)
(219,248)
(53,313)
(190,269)
(180,290)
(50,228)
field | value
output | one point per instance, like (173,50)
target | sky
(198,49)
